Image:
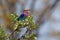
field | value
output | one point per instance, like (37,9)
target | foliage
(16,25)
(3,34)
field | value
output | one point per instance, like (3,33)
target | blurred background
(45,12)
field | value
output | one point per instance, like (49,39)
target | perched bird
(23,15)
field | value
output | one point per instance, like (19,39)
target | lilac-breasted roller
(23,15)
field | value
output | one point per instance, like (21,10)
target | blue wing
(22,16)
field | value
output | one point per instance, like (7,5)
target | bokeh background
(45,12)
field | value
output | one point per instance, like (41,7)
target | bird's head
(26,12)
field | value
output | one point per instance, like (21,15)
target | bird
(23,15)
